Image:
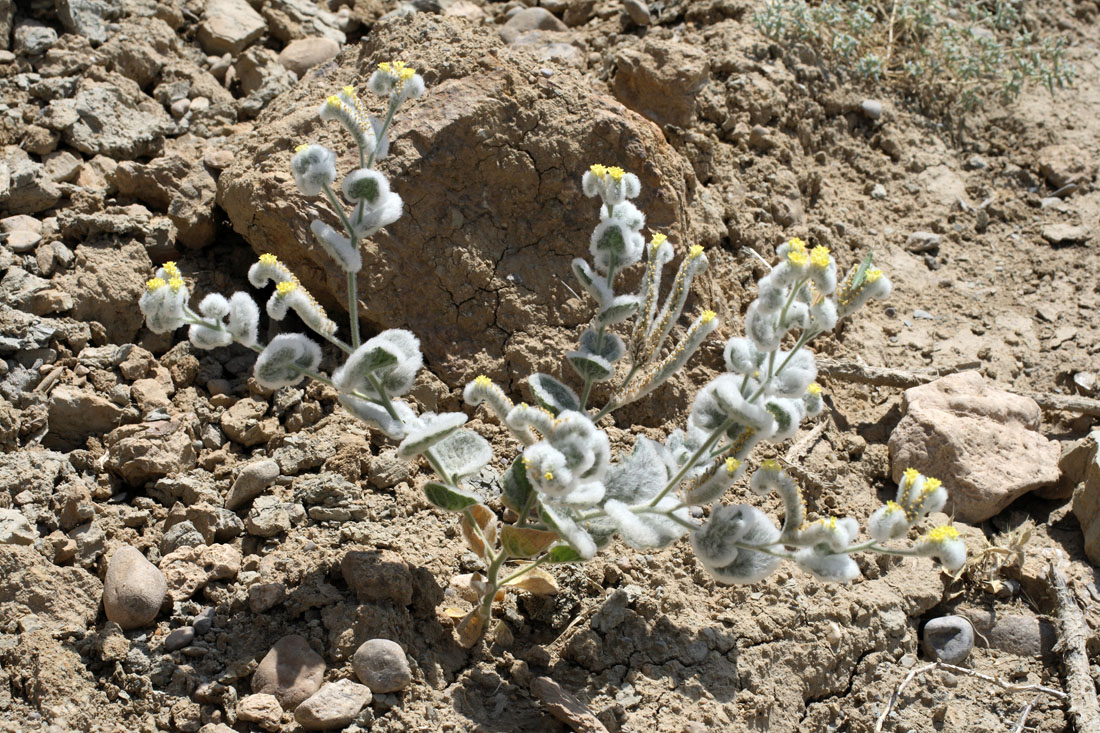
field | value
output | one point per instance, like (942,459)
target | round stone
(380,664)
(948,639)
(133,590)
(291,671)
(334,706)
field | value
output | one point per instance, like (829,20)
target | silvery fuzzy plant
(564,494)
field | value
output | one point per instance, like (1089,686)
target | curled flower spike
(944,544)
(346,109)
(164,300)
(612,184)
(396,80)
(852,294)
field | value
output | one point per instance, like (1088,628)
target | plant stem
(353,298)
(693,460)
(382,133)
(525,569)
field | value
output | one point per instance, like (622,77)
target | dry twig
(1083,709)
(850,371)
(1010,687)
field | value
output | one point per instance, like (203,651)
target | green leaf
(563,553)
(525,542)
(552,394)
(612,240)
(449,498)
(437,428)
(621,308)
(516,486)
(590,366)
(610,346)
(463,453)
(861,273)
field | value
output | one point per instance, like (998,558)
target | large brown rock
(489,164)
(982,442)
(29,583)
(149,451)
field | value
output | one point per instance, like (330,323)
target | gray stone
(530,19)
(203,621)
(380,664)
(15,529)
(265,596)
(335,705)
(922,241)
(289,20)
(30,189)
(88,18)
(871,108)
(229,26)
(253,479)
(180,535)
(948,639)
(638,12)
(179,638)
(133,590)
(270,517)
(117,121)
(303,54)
(1065,233)
(262,709)
(32,38)
(291,671)
(1025,636)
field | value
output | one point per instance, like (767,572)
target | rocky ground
(166,523)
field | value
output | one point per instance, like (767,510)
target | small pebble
(381,665)
(203,621)
(871,108)
(180,107)
(878,192)
(924,315)
(638,12)
(948,639)
(179,638)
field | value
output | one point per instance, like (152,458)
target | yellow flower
(796,245)
(931,485)
(893,506)
(658,240)
(732,464)
(943,534)
(175,283)
(695,251)
(708,316)
(814,388)
(155,284)
(616,173)
(270,259)
(770,465)
(286,288)
(483,381)
(548,476)
(911,475)
(598,170)
(350,91)
(819,256)
(873,274)
(798,257)
(171,269)
(300,148)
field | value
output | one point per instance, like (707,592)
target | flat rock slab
(291,671)
(565,707)
(982,442)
